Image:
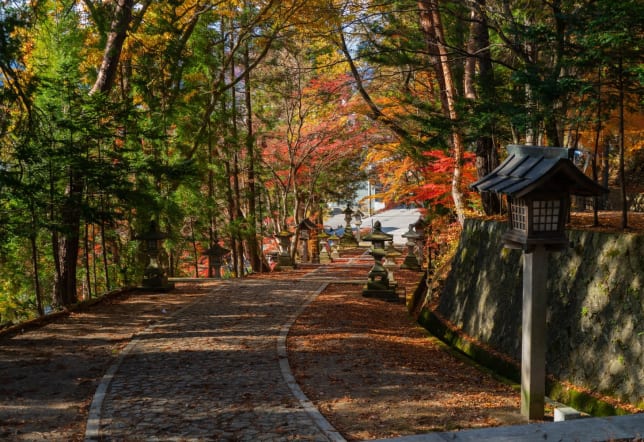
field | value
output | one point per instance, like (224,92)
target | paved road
(214,371)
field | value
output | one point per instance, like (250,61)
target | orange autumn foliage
(407,181)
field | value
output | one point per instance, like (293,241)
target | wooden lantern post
(538,182)
(307,231)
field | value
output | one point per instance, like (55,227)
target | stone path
(217,370)
(213,372)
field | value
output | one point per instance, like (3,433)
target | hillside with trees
(228,121)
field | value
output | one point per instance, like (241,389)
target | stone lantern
(378,285)
(357,220)
(347,239)
(154,275)
(216,255)
(411,261)
(325,256)
(348,214)
(284,257)
(538,182)
(419,228)
(390,260)
(335,239)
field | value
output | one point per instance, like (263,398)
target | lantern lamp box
(538,182)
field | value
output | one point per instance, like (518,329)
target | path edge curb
(317,417)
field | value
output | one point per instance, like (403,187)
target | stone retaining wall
(595,313)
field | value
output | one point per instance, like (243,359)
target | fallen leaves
(382,376)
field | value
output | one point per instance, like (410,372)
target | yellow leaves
(316,15)
(159,40)
(382,151)
(91,55)
(331,62)
(229,9)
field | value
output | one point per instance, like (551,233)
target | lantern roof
(153,233)
(529,169)
(411,233)
(377,234)
(307,224)
(216,250)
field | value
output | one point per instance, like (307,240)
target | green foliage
(17,301)
(172,140)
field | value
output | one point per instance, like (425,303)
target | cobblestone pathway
(211,372)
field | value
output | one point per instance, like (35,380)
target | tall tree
(478,85)
(310,127)
(430,118)
(432,25)
(67,243)
(610,36)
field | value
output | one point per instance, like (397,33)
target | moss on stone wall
(595,310)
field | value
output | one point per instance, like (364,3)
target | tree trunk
(93,249)
(230,192)
(231,214)
(212,232)
(88,272)
(253,250)
(486,160)
(106,267)
(112,53)
(473,48)
(437,44)
(531,131)
(55,240)
(34,260)
(478,49)
(65,283)
(598,129)
(238,216)
(193,241)
(622,170)
(606,168)
(428,26)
